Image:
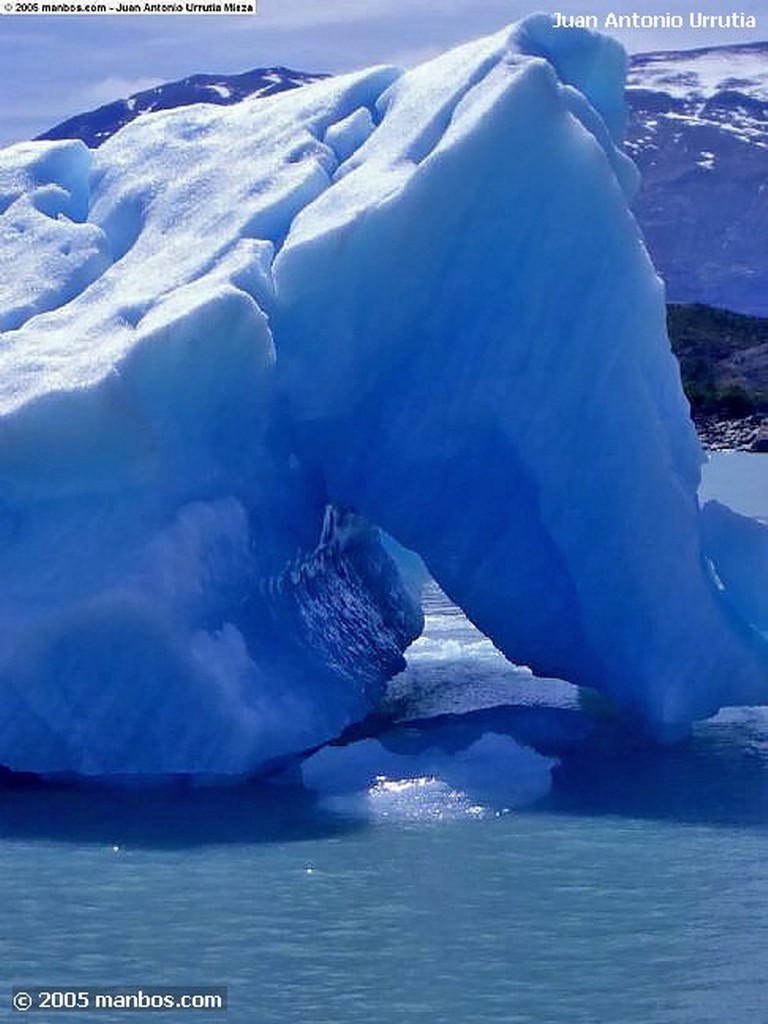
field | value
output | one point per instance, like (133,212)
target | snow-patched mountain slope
(698,129)
(412,300)
(700,75)
(94,127)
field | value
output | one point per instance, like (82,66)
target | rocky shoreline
(748,434)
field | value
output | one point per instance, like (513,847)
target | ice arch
(498,390)
(235,337)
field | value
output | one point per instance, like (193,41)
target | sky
(54,67)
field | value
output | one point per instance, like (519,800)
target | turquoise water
(621,910)
(636,892)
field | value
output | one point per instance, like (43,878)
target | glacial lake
(636,893)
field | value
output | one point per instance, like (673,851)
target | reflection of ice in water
(434,779)
(396,800)
(453,668)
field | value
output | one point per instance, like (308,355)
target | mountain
(698,130)
(723,360)
(96,126)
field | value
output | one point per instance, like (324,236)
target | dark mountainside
(724,366)
(96,126)
(698,131)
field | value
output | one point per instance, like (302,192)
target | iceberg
(239,342)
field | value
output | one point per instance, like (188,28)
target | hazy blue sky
(53,67)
